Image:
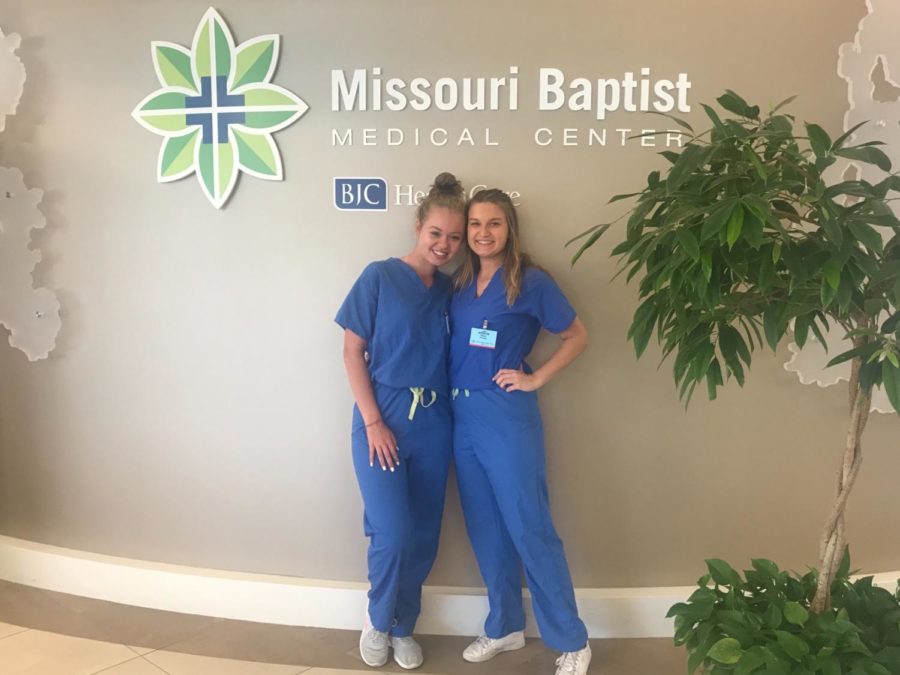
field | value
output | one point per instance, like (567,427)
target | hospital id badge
(484,338)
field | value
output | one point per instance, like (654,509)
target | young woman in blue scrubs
(501,302)
(396,337)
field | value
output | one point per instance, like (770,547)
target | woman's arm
(381,439)
(574,340)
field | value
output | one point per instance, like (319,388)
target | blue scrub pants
(498,449)
(403,508)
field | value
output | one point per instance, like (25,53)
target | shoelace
(378,639)
(566,663)
(483,641)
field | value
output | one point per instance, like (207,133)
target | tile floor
(46,633)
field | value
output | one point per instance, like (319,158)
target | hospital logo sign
(217,109)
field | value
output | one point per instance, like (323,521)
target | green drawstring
(418,398)
(455,393)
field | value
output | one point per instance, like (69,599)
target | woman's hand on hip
(383,445)
(516,380)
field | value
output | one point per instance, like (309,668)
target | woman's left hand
(516,380)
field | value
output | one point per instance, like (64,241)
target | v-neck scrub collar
(404,323)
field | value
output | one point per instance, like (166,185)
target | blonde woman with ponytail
(501,302)
(396,338)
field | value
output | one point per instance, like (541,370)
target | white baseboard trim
(266,598)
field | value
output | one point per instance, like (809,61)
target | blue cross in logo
(223,100)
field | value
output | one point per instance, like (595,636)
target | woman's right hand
(383,445)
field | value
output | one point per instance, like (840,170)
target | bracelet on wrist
(373,422)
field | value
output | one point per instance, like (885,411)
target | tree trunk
(831,545)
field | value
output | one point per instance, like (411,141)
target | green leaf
(642,325)
(818,333)
(830,666)
(795,613)
(801,329)
(870,375)
(839,141)
(588,231)
(731,342)
(863,351)
(766,273)
(723,573)
(868,235)
(690,159)
(717,218)
(792,645)
(773,616)
(844,568)
(826,294)
(671,156)
(636,220)
(694,660)
(590,241)
(891,380)
(616,198)
(845,294)
(869,155)
(832,273)
(771,325)
(750,154)
(713,378)
(737,105)
(750,661)
(818,139)
(753,229)
(831,226)
(714,116)
(678,121)
(766,567)
(688,242)
(785,102)
(727,651)
(735,224)
(706,263)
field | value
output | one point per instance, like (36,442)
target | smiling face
(488,230)
(440,236)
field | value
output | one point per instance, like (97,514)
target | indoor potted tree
(741,239)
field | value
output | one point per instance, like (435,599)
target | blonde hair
(446,192)
(515,261)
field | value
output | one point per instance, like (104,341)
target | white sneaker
(485,648)
(407,652)
(574,663)
(373,644)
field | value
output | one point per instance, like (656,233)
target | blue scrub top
(404,323)
(541,304)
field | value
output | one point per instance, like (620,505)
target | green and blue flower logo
(216,109)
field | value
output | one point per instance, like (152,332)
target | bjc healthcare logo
(360,194)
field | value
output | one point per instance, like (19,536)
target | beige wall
(196,411)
